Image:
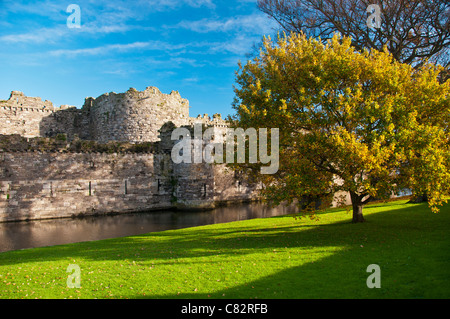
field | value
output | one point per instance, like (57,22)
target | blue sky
(191,46)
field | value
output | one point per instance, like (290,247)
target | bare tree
(412,30)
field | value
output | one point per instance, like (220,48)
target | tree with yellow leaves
(359,122)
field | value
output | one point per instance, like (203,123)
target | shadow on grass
(412,250)
(410,244)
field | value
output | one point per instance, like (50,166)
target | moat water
(31,234)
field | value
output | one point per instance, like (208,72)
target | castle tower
(134,116)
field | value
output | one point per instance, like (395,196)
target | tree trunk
(419,199)
(357,214)
(357,208)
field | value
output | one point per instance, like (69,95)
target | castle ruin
(36,184)
(132,116)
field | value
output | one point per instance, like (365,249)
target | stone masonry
(132,116)
(55,184)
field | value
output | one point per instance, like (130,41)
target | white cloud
(254,23)
(45,8)
(172,4)
(191,80)
(105,49)
(175,54)
(239,45)
(99,17)
(37,36)
(169,48)
(52,35)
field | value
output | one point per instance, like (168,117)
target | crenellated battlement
(216,120)
(19,100)
(133,95)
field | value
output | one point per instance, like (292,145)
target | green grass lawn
(278,257)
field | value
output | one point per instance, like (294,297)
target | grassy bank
(264,258)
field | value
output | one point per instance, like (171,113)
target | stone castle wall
(55,185)
(36,185)
(63,183)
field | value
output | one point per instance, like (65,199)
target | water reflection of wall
(62,231)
